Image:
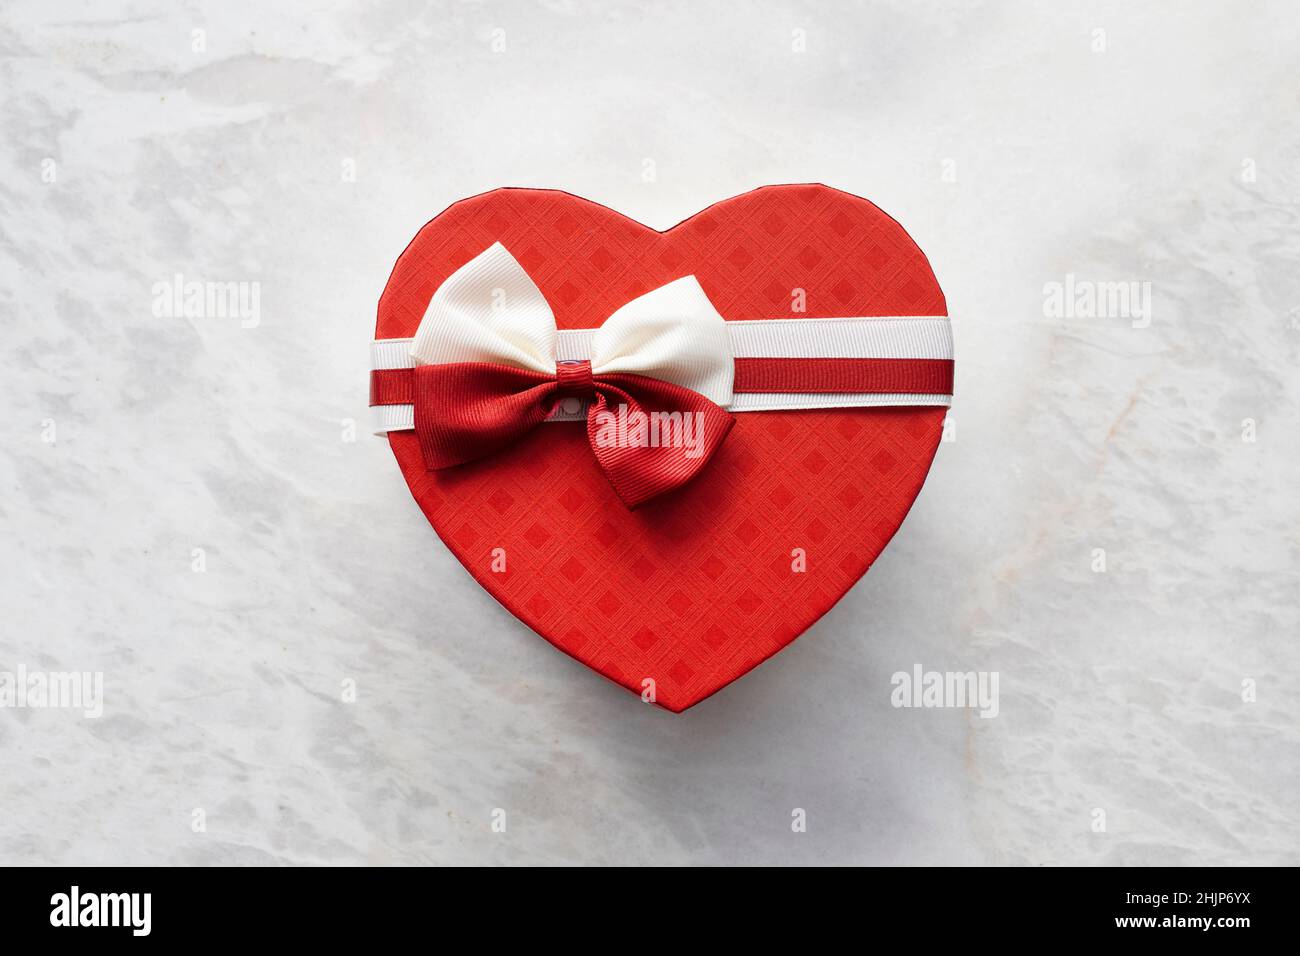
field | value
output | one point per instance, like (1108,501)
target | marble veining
(295,671)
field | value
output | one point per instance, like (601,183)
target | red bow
(649,436)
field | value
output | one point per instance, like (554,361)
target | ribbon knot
(575,379)
(657,384)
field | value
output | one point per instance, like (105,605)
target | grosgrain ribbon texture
(680,597)
(487,373)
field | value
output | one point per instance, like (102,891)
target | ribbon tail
(651,437)
(468,410)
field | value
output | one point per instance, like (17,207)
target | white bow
(490,310)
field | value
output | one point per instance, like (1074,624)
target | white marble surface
(1119,691)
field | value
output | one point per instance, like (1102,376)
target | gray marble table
(187,511)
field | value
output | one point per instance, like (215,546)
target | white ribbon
(490,310)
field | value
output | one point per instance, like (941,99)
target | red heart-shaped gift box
(683,595)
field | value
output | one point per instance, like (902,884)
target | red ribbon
(468,410)
(910,376)
(637,426)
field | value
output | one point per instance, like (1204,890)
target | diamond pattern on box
(696,587)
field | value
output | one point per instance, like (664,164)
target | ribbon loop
(672,334)
(488,310)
